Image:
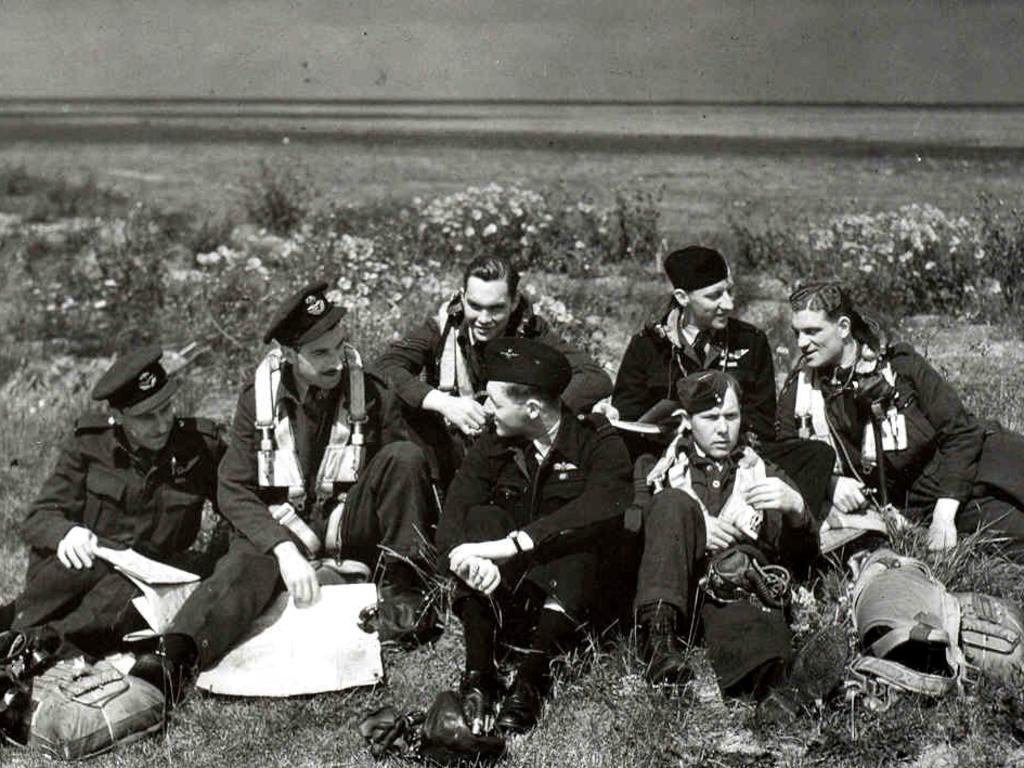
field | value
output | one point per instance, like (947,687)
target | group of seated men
(553,521)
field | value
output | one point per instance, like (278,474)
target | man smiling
(697,332)
(135,478)
(445,403)
(528,519)
(318,465)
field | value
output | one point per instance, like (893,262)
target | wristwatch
(518,541)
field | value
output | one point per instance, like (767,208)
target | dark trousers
(388,511)
(392,509)
(742,638)
(89,608)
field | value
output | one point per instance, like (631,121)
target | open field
(603,713)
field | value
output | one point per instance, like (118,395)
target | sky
(722,50)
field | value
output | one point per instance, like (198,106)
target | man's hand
(497,551)
(721,534)
(606,409)
(77,549)
(480,574)
(468,416)
(942,531)
(848,495)
(774,493)
(297,574)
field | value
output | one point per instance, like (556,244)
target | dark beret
(515,360)
(705,390)
(695,267)
(136,383)
(303,317)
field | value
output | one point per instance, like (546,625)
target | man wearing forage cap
(531,509)
(697,332)
(712,494)
(318,465)
(137,477)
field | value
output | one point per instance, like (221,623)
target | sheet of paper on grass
(292,651)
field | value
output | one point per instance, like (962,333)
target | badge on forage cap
(527,361)
(315,305)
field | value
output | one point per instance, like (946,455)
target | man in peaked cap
(710,495)
(526,517)
(317,467)
(138,478)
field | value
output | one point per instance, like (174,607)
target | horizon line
(374,101)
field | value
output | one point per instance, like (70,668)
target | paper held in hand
(661,419)
(164,588)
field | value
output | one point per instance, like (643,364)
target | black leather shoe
(521,710)
(478,696)
(666,658)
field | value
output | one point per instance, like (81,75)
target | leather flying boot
(169,667)
(478,696)
(665,656)
(521,709)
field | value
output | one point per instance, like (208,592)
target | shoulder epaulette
(94,422)
(207,427)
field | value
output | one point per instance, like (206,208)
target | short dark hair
(523,392)
(834,300)
(488,268)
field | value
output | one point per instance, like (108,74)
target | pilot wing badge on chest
(733,357)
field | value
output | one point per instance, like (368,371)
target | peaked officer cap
(303,317)
(137,383)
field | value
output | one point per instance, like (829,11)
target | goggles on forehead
(827,296)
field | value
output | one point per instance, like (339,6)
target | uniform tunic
(129,498)
(412,368)
(570,505)
(741,637)
(652,365)
(389,508)
(949,453)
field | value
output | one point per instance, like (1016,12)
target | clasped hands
(477,563)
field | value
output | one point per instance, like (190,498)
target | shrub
(917,259)
(277,198)
(554,230)
(1002,242)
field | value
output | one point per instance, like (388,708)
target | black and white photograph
(566,383)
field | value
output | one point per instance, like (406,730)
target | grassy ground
(603,713)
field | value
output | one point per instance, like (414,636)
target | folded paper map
(292,651)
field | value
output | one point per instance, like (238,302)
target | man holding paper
(712,495)
(137,478)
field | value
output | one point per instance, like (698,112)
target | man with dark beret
(529,514)
(437,369)
(137,477)
(697,332)
(318,466)
(712,494)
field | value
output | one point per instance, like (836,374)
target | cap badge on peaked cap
(315,305)
(147,380)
